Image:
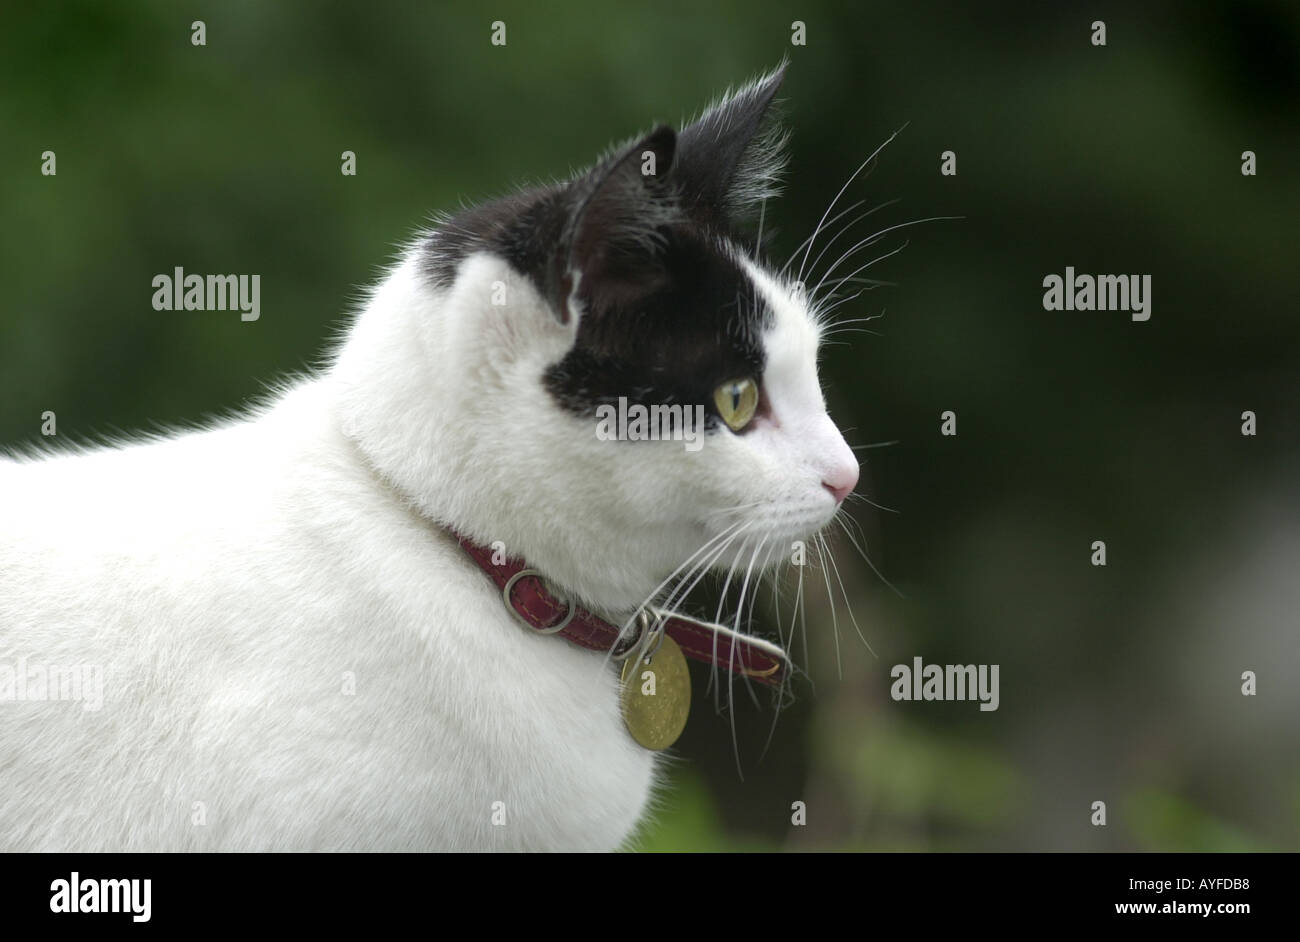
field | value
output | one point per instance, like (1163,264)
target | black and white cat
(295,651)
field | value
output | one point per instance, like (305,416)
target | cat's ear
(730,159)
(615,221)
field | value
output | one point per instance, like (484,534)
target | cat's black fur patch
(696,326)
(666,312)
(522,228)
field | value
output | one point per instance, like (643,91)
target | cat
(294,651)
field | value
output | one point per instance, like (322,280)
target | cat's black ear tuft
(616,221)
(730,160)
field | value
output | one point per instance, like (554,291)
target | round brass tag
(657,696)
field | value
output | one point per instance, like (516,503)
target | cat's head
(543,319)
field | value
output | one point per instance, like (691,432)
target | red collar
(527,597)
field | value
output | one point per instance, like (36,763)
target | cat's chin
(776,527)
(763,549)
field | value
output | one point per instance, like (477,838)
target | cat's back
(190,587)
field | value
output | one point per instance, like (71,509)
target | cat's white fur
(297,656)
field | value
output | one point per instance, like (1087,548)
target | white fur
(229,580)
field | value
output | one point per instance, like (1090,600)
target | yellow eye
(736,401)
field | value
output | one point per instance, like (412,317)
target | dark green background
(1119,683)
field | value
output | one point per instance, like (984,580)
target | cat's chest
(523,732)
(563,772)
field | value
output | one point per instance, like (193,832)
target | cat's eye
(737,400)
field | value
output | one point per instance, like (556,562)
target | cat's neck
(421,399)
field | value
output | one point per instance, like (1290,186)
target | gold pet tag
(657,696)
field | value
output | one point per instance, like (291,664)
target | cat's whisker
(858,320)
(731,667)
(691,578)
(700,570)
(783,696)
(830,597)
(726,582)
(842,518)
(780,699)
(717,618)
(736,527)
(851,330)
(855,248)
(763,570)
(895,441)
(744,618)
(848,605)
(659,588)
(800,247)
(801,609)
(828,305)
(776,603)
(862,268)
(847,182)
(871,282)
(825,310)
(867,500)
(872,240)
(843,229)
(823,306)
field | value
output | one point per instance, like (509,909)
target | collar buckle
(509,587)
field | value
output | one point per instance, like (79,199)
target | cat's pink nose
(841,482)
